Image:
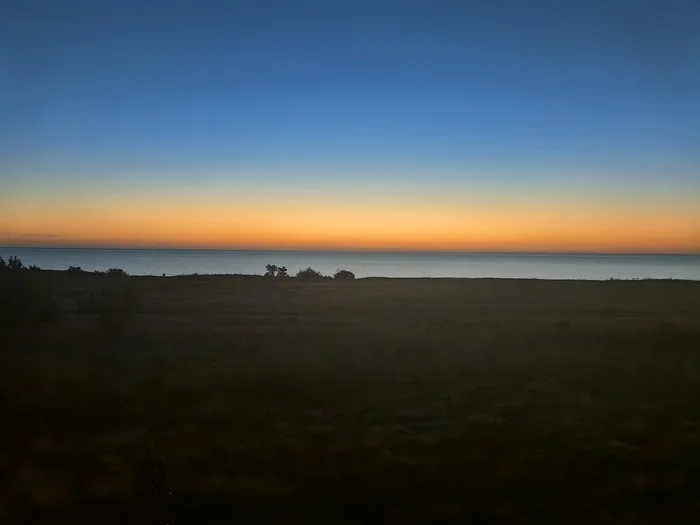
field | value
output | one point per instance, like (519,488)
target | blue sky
(463,99)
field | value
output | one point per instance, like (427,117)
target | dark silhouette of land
(355,401)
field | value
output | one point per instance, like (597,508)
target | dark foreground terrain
(378,400)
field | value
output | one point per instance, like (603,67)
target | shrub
(117,272)
(343,275)
(282,271)
(26,296)
(112,308)
(309,273)
(75,269)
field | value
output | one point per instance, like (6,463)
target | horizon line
(349,250)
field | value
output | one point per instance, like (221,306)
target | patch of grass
(388,401)
(112,307)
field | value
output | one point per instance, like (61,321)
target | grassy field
(376,400)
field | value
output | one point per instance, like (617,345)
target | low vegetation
(343,275)
(116,272)
(272,270)
(309,273)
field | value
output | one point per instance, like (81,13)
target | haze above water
(367,264)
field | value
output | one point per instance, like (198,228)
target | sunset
(412,128)
(340,219)
(334,262)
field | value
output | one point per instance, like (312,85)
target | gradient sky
(524,126)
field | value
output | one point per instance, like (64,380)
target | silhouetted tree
(14,263)
(343,275)
(271,270)
(309,273)
(117,272)
(282,272)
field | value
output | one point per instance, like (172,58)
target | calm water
(366,264)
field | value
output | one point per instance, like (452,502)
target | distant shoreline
(326,279)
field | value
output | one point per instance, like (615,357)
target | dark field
(378,400)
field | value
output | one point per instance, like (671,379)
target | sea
(367,264)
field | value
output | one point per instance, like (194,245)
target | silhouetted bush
(282,271)
(75,269)
(117,272)
(309,273)
(26,296)
(343,275)
(112,308)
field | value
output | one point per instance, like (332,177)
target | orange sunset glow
(342,224)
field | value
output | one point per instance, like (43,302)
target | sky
(413,125)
